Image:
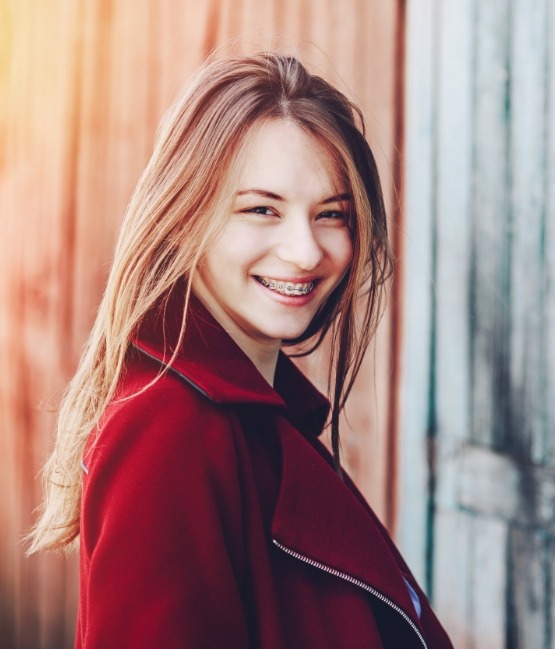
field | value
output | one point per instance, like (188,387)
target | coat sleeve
(161,536)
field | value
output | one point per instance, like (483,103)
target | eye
(259,209)
(334,215)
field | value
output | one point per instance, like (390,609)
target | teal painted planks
(489,213)
(526,425)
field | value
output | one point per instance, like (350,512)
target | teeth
(286,288)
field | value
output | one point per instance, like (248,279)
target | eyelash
(259,209)
(337,214)
(268,211)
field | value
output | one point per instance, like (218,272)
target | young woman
(187,458)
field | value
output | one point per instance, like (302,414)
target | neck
(265,360)
(263,354)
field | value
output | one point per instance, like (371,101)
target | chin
(285,333)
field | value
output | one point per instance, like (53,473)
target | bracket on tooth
(287,289)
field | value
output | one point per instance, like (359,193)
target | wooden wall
(478,422)
(82,86)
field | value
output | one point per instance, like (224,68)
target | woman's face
(286,245)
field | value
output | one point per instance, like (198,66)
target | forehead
(281,157)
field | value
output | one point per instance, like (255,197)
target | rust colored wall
(82,87)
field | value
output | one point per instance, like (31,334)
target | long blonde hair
(178,207)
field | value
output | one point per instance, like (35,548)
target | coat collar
(214,364)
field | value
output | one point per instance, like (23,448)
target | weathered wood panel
(82,87)
(489,288)
(486,588)
(528,425)
(417,264)
(548,283)
(484,87)
(530,621)
(518,492)
(455,563)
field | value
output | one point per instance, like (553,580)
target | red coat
(212,516)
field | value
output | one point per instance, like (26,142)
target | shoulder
(162,480)
(160,420)
(163,457)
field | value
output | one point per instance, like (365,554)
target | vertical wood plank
(527,433)
(452,569)
(528,592)
(417,280)
(549,277)
(42,74)
(490,270)
(14,88)
(488,575)
(453,177)
(92,167)
(550,612)
(184,34)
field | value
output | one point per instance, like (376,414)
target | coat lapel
(321,519)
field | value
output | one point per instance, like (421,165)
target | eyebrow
(261,192)
(337,198)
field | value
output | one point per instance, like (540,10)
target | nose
(298,244)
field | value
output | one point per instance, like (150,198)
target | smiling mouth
(286,288)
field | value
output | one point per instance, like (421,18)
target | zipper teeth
(352,580)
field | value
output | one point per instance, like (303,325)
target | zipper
(356,582)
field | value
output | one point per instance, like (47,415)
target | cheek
(221,255)
(341,251)
(240,245)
